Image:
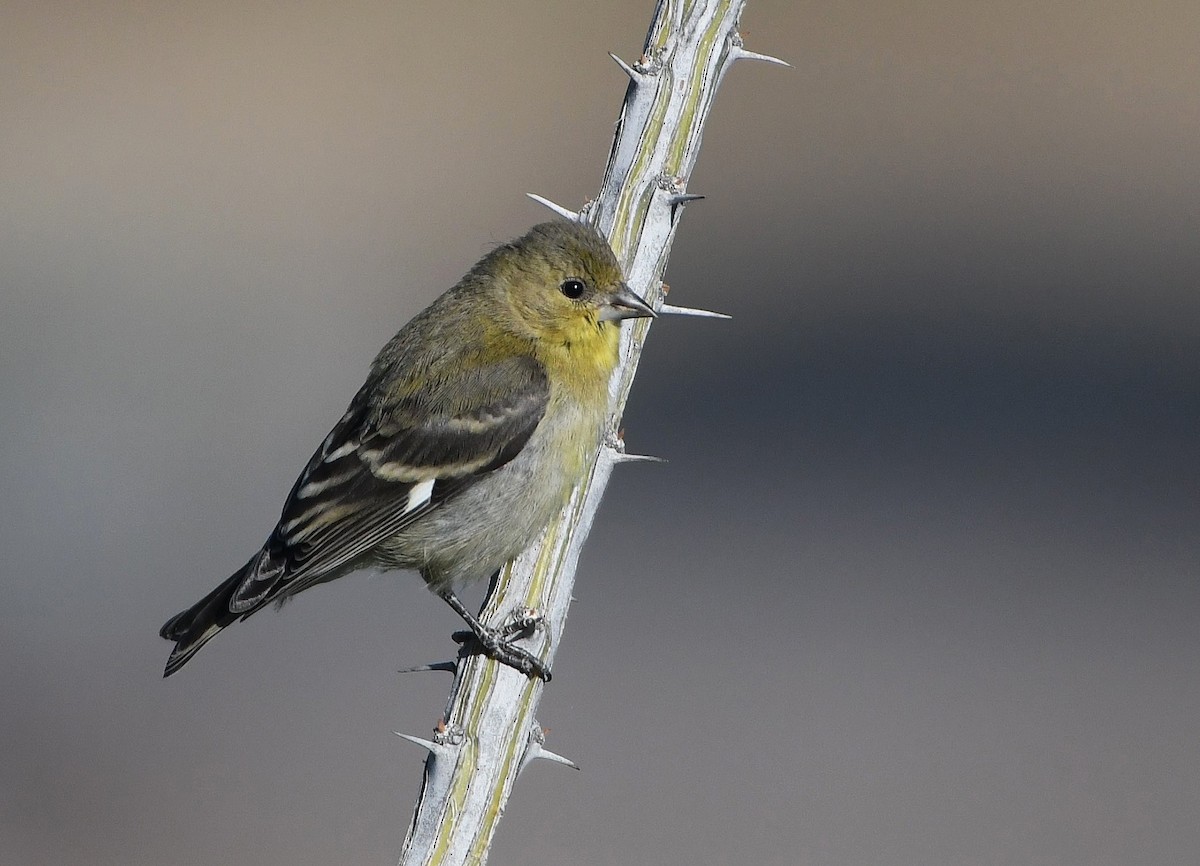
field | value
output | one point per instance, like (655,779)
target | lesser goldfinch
(475,422)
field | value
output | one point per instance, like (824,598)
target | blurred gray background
(919,583)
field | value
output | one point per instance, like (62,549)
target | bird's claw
(496,644)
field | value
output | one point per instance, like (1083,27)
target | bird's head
(565,283)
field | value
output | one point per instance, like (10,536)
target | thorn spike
(683,198)
(547,755)
(742,54)
(557,208)
(634,75)
(672,310)
(451,667)
(622,457)
(535,749)
(431,746)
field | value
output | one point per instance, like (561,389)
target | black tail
(197,625)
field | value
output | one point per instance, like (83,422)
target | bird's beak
(624,304)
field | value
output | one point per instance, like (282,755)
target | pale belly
(473,534)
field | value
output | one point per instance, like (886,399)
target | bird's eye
(572,288)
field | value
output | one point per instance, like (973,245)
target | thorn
(443,735)
(622,457)
(673,186)
(672,310)
(557,208)
(634,75)
(676,201)
(617,453)
(548,755)
(434,748)
(535,749)
(739,53)
(451,667)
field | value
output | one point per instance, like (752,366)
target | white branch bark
(490,731)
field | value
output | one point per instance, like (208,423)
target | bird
(476,421)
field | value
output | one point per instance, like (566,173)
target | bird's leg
(495,642)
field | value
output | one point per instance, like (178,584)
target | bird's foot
(497,643)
